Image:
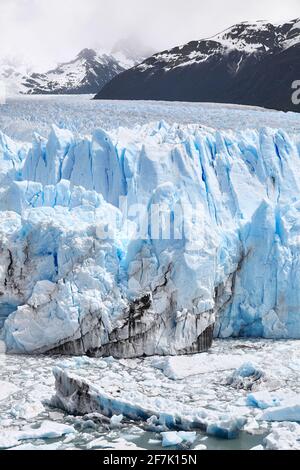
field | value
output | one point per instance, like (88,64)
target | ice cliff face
(83,268)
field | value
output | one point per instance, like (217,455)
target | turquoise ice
(66,288)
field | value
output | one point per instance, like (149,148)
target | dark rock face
(249,64)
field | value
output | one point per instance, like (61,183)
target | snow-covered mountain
(131,51)
(81,273)
(249,63)
(88,72)
(12,76)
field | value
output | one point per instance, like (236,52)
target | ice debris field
(243,394)
(66,289)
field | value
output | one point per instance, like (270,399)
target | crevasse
(64,287)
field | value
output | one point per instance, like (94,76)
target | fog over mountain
(27,26)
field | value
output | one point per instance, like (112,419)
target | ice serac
(77,395)
(82,273)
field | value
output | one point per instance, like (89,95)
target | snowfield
(21,117)
(145,229)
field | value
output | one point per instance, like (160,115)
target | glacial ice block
(77,395)
(85,272)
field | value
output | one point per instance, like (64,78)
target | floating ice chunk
(40,447)
(247,370)
(175,438)
(100,442)
(69,438)
(245,377)
(188,437)
(76,394)
(227,427)
(289,410)
(180,367)
(200,447)
(265,399)
(170,439)
(47,430)
(7,389)
(253,427)
(259,447)
(154,442)
(285,436)
(74,362)
(116,420)
(8,440)
(115,444)
(26,410)
(122,444)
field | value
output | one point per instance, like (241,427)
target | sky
(45,32)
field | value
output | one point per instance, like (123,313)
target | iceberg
(284,436)
(115,421)
(76,395)
(264,399)
(47,430)
(289,410)
(200,447)
(246,377)
(171,439)
(174,438)
(148,241)
(40,447)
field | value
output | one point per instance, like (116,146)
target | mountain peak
(88,54)
(86,74)
(238,66)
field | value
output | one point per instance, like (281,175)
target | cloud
(47,32)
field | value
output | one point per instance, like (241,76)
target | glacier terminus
(76,275)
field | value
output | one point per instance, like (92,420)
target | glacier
(83,271)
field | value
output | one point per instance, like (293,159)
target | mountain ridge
(240,65)
(88,72)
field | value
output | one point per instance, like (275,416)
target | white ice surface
(266,400)
(207,397)
(208,391)
(180,367)
(47,430)
(30,447)
(289,410)
(21,117)
(170,439)
(284,436)
(7,389)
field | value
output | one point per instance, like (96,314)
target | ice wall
(64,287)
